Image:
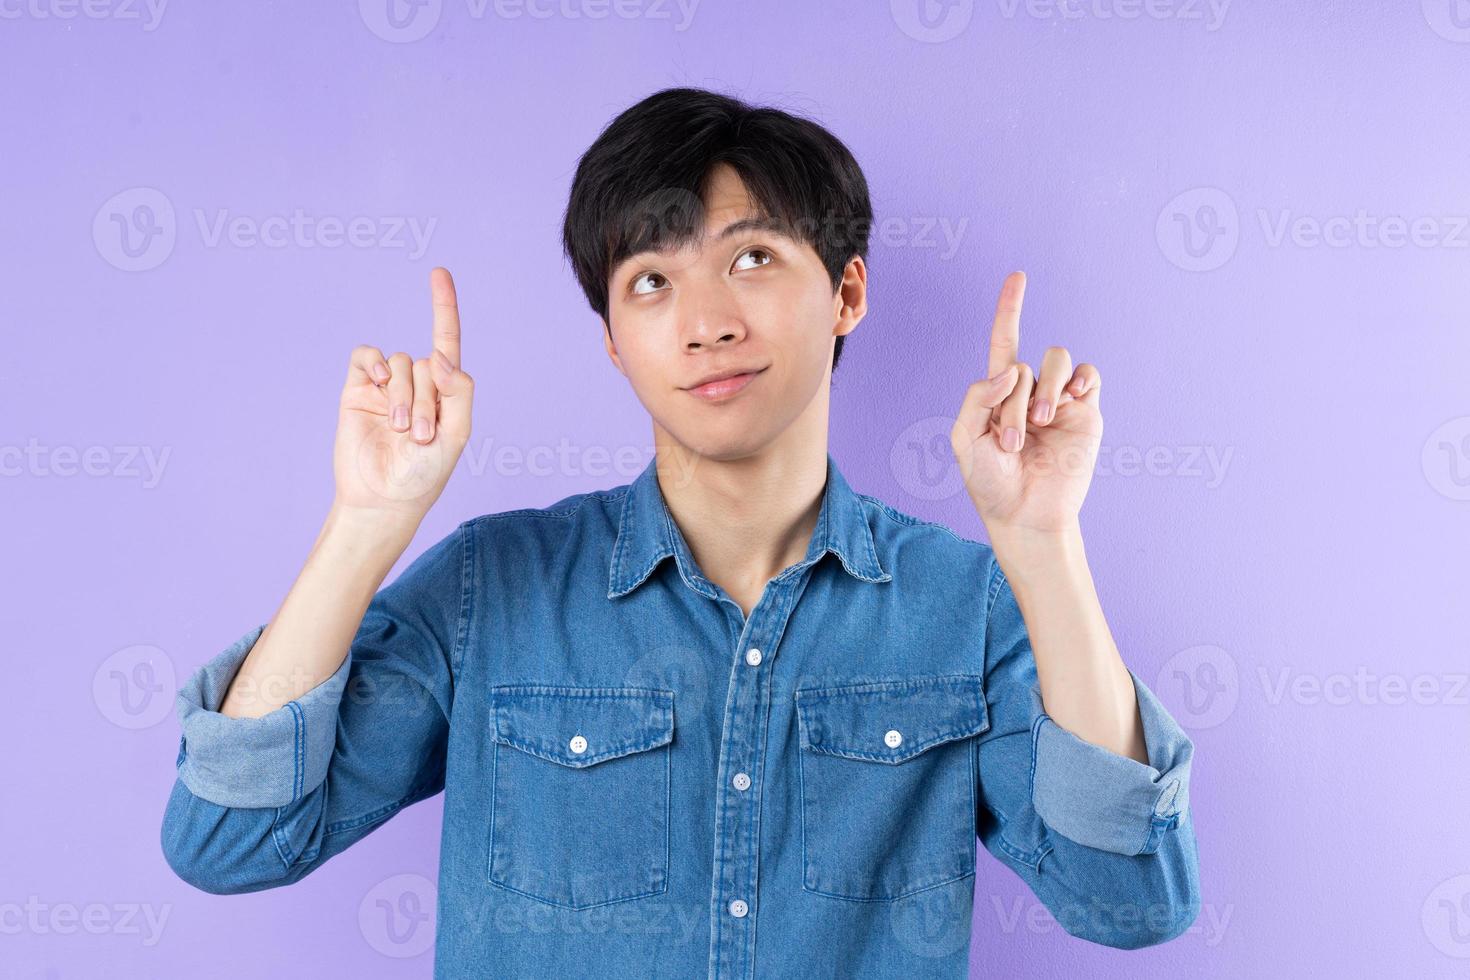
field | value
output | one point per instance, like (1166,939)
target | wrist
(368,533)
(1028,554)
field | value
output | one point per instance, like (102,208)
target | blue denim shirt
(640,781)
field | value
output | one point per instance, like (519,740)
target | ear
(851,300)
(612,351)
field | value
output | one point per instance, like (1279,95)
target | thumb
(982,396)
(456,392)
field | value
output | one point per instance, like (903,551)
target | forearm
(307,639)
(1085,686)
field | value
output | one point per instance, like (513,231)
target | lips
(725,387)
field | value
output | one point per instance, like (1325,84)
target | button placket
(735,879)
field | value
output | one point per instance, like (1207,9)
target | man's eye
(754,251)
(638,291)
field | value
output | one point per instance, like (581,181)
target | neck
(746,519)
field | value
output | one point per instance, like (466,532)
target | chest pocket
(888,782)
(580,795)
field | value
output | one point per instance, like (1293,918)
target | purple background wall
(1251,217)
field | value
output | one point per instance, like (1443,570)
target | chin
(722,443)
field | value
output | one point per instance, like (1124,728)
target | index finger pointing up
(446,313)
(1005,333)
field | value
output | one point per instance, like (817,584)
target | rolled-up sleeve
(271,760)
(1110,801)
(1105,841)
(261,802)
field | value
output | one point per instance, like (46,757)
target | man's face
(748,300)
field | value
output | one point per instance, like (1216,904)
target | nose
(710,317)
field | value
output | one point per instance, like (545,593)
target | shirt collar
(647,534)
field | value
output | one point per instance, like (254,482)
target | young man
(732,719)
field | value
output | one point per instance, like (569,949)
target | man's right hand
(403,423)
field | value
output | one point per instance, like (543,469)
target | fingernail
(1010,439)
(400,417)
(1038,412)
(421,429)
(380,372)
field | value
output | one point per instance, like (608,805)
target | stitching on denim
(417,794)
(466,575)
(511,691)
(299,775)
(910,520)
(975,722)
(891,898)
(917,748)
(278,837)
(648,734)
(538,748)
(591,905)
(1035,743)
(889,684)
(568,511)
(490,843)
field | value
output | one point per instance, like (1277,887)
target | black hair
(640,185)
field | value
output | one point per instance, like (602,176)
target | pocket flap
(892,720)
(581,726)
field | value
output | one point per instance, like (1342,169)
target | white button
(578,744)
(753,656)
(738,909)
(742,781)
(893,739)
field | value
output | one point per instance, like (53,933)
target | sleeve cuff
(269,761)
(1109,801)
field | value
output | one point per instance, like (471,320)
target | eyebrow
(753,224)
(737,227)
